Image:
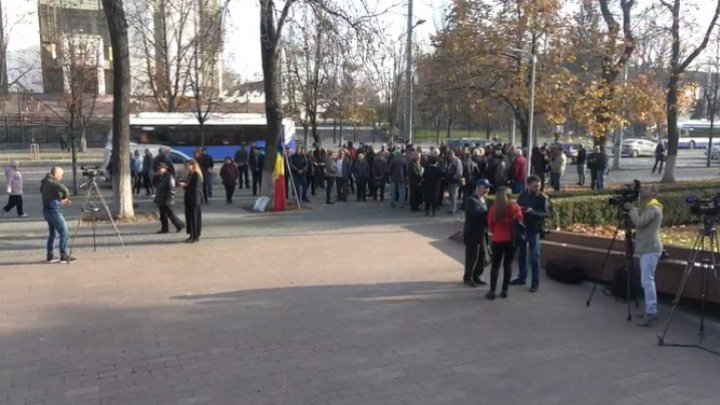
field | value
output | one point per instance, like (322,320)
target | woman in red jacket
(500,223)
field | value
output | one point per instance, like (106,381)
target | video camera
(89,171)
(704,206)
(628,193)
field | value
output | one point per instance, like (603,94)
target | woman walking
(501,217)
(193,200)
(229,174)
(14,190)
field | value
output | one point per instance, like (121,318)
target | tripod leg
(110,217)
(602,268)
(628,292)
(80,222)
(686,274)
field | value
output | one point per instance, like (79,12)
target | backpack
(619,285)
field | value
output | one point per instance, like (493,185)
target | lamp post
(409,74)
(533,59)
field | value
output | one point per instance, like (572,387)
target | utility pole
(409,77)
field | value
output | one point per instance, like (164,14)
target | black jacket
(194,190)
(540,210)
(431,178)
(476,212)
(256,162)
(165,191)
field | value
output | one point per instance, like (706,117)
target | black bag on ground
(564,272)
(619,288)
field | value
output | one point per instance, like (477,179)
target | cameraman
(648,246)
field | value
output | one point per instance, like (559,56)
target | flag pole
(287,163)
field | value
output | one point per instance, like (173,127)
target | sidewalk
(339,306)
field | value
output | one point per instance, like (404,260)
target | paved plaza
(348,304)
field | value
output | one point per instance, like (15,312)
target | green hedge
(696,185)
(594,210)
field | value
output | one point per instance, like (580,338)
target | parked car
(570,151)
(715,151)
(456,144)
(638,147)
(178,158)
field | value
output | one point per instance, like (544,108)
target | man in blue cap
(475,234)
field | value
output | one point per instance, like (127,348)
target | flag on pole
(279,179)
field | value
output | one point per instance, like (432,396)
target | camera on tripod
(709,207)
(89,171)
(629,193)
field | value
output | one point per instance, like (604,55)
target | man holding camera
(534,205)
(648,245)
(54,197)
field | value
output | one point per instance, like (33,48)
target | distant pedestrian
(431,178)
(165,199)
(207,164)
(14,189)
(580,161)
(660,155)
(256,161)
(299,167)
(193,201)
(398,171)
(454,172)
(146,172)
(55,196)
(361,172)
(331,174)
(557,167)
(229,174)
(242,157)
(519,172)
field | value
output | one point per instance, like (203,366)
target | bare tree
(204,74)
(80,61)
(9,76)
(120,159)
(163,39)
(678,66)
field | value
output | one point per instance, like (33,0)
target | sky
(242,53)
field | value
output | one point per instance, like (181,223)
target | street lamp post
(409,74)
(533,59)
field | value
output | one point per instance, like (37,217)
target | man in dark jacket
(256,160)
(207,163)
(299,165)
(344,166)
(659,157)
(580,161)
(475,234)
(534,205)
(415,183)
(241,160)
(397,172)
(165,199)
(379,174)
(361,172)
(54,197)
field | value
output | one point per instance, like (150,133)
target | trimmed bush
(664,188)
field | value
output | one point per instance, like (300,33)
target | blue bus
(224,132)
(695,134)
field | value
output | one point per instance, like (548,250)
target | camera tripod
(93,190)
(624,224)
(707,238)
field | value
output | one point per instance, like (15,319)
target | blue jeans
(518,188)
(56,224)
(398,194)
(648,264)
(555,181)
(600,175)
(533,240)
(581,173)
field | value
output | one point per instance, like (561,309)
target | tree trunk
(672,127)
(83,139)
(120,158)
(334,132)
(273,102)
(73,155)
(306,135)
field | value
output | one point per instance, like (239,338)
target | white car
(179,159)
(638,147)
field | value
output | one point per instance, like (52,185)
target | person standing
(147,164)
(344,165)
(136,163)
(14,189)
(501,218)
(361,172)
(659,157)
(557,167)
(207,164)
(520,166)
(648,245)
(580,161)
(256,160)
(331,173)
(193,200)
(601,166)
(454,172)
(165,199)
(539,162)
(299,166)
(397,171)
(379,173)
(55,196)
(241,160)
(229,173)
(475,234)
(415,183)
(534,206)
